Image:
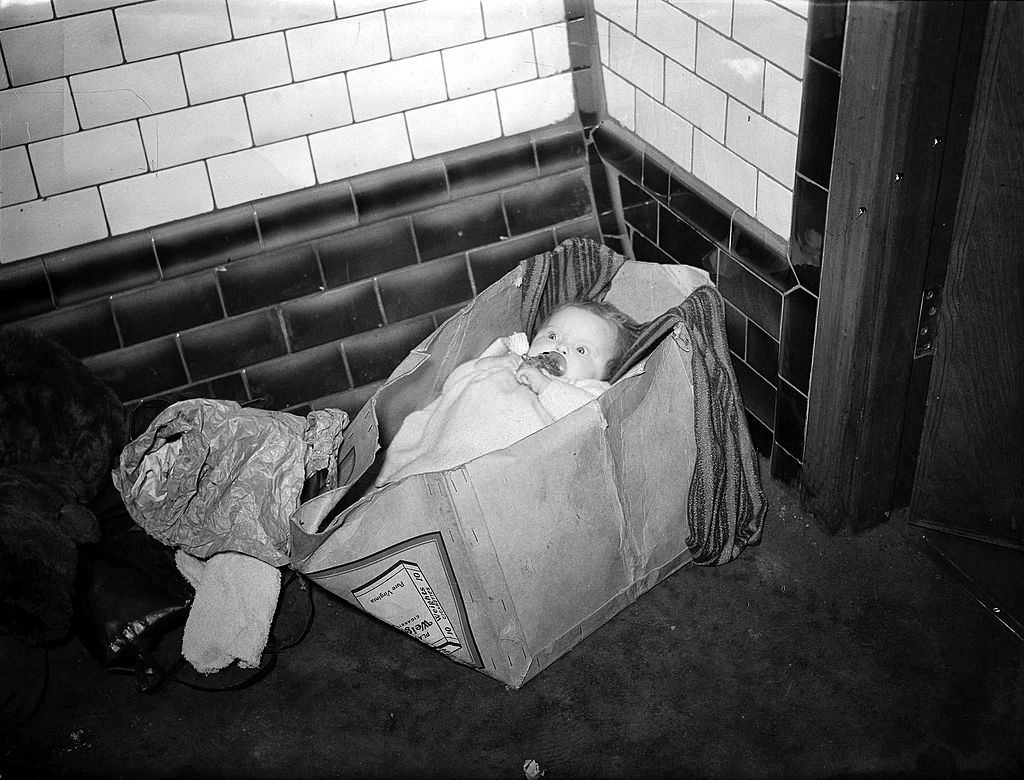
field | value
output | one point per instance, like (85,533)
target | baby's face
(585,340)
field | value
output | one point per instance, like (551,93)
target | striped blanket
(726,504)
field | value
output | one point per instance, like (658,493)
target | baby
(497,399)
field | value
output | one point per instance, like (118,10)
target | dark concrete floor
(809,656)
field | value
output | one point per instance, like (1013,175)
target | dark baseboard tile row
(127,262)
(332,341)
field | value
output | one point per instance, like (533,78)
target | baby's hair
(625,329)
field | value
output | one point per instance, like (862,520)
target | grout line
(117,325)
(184,363)
(380,301)
(344,361)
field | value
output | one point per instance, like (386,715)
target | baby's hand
(534,378)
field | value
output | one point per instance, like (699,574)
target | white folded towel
(236,597)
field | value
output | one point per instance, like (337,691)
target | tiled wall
(715,86)
(660,205)
(119,115)
(313,298)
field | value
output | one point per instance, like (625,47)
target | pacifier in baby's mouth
(552,362)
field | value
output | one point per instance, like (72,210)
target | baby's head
(592,336)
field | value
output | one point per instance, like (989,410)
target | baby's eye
(581,350)
(551,335)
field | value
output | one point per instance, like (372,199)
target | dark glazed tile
(826,25)
(599,184)
(766,262)
(102,268)
(684,244)
(632,195)
(167,307)
(459,226)
(489,167)
(350,401)
(269,278)
(609,224)
(422,288)
(333,315)
(142,370)
(736,330)
(358,254)
(488,265)
(618,152)
(817,123)
(760,435)
(82,330)
(748,293)
(300,377)
(305,214)
(698,212)
(810,204)
(585,227)
(646,251)
(615,244)
(374,355)
(655,177)
(559,148)
(785,467)
(799,312)
(547,202)
(644,219)
(401,189)
(205,241)
(233,344)
(758,395)
(228,388)
(24,290)
(762,353)
(790,420)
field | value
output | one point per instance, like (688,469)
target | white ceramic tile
(773,32)
(505,16)
(433,25)
(70,7)
(358,148)
(195,133)
(16,182)
(700,102)
(714,13)
(345,8)
(638,63)
(129,91)
(36,112)
(41,226)
(622,12)
(396,86)
(496,62)
(453,124)
(72,162)
(59,48)
(14,13)
(551,44)
(165,26)
(774,206)
(254,17)
(333,47)
(761,142)
(155,198)
(782,96)
(299,109)
(603,38)
(536,103)
(796,6)
(620,99)
(732,68)
(724,172)
(665,130)
(668,30)
(261,172)
(216,72)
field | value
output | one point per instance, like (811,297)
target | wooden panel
(895,105)
(970,472)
